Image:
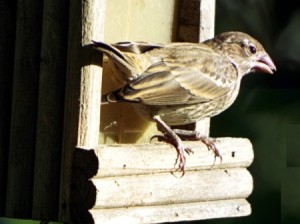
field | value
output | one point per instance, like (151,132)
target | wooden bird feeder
(58,165)
(134,182)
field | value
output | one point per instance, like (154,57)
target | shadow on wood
(83,191)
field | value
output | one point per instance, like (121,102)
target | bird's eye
(252,49)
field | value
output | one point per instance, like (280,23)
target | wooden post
(24,107)
(50,110)
(82,102)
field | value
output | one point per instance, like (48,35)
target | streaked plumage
(181,83)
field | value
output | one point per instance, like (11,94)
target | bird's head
(243,51)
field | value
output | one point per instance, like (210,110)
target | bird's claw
(189,151)
(180,160)
(180,148)
(210,143)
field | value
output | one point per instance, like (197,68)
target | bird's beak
(264,64)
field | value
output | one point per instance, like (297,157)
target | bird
(181,83)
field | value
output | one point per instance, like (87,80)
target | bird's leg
(171,137)
(195,136)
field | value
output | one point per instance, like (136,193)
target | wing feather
(183,76)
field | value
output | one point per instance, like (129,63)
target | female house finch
(181,83)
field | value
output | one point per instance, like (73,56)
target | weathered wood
(207,19)
(173,212)
(134,183)
(91,78)
(160,157)
(24,109)
(165,188)
(50,110)
(83,194)
(82,101)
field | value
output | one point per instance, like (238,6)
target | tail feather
(109,50)
(112,97)
(115,97)
(109,98)
(118,60)
(104,100)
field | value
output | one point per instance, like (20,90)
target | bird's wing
(186,74)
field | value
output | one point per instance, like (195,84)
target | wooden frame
(82,102)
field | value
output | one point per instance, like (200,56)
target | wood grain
(128,159)
(82,99)
(165,188)
(173,212)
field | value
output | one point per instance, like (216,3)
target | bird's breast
(190,113)
(184,113)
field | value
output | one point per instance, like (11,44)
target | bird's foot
(169,136)
(180,161)
(196,136)
(210,143)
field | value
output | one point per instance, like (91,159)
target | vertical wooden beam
(24,106)
(7,41)
(82,102)
(207,19)
(50,110)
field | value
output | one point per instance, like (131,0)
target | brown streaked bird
(181,83)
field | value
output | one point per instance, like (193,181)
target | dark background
(267,110)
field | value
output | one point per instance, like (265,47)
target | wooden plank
(165,188)
(82,97)
(24,109)
(149,158)
(174,212)
(50,110)
(7,33)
